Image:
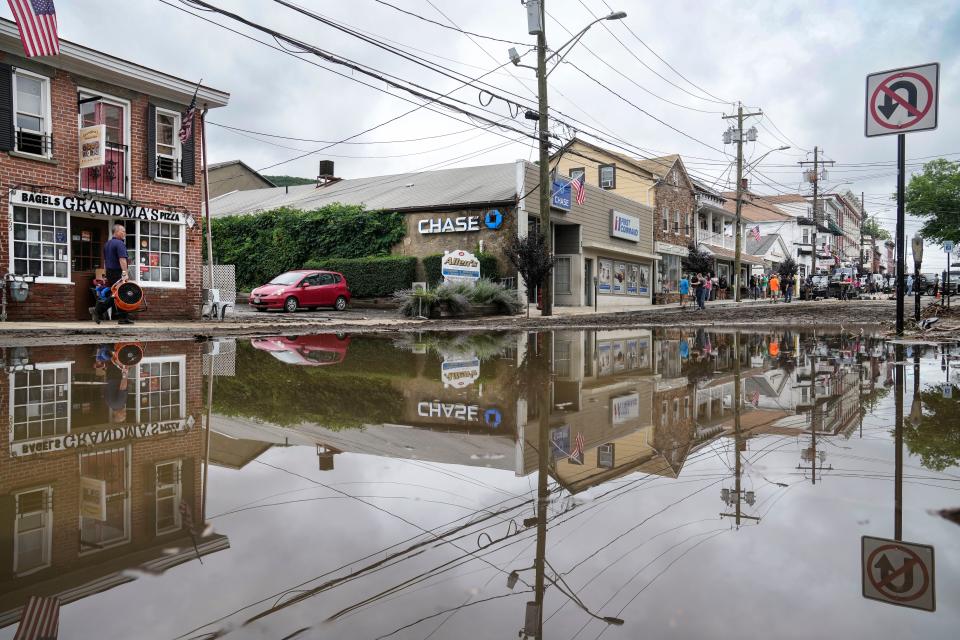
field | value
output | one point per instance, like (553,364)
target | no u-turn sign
(902,100)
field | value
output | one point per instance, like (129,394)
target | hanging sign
(560,195)
(93,146)
(459,265)
(624,226)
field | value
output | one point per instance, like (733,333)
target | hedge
(371,277)
(264,245)
(489,267)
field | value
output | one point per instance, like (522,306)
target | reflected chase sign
(77,204)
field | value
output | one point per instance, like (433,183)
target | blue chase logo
(493,219)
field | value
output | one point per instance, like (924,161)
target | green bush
(489,268)
(459,298)
(264,245)
(371,277)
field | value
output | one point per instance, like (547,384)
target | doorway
(86,256)
(588,282)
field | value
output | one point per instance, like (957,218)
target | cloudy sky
(802,63)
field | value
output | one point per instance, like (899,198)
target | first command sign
(898,572)
(902,100)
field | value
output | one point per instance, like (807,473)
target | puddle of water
(669,483)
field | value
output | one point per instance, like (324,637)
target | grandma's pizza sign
(91,206)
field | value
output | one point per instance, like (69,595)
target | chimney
(325,175)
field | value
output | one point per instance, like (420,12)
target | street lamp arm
(750,167)
(569,44)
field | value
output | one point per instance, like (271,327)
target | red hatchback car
(305,288)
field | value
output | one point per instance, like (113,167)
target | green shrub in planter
(372,277)
(458,298)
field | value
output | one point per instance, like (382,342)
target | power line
(446,26)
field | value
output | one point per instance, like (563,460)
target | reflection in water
(431,484)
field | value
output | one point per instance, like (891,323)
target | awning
(834,229)
(731,256)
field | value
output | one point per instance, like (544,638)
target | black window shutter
(188,163)
(151,140)
(6,107)
(8,515)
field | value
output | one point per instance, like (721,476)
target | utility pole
(546,184)
(738,445)
(737,136)
(815,179)
(814,422)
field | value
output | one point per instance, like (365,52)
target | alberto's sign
(460,373)
(85,439)
(78,204)
(459,265)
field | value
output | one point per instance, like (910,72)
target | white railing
(716,239)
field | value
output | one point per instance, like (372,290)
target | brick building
(87,490)
(55,216)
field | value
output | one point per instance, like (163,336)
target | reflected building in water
(101,478)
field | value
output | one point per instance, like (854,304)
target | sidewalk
(690,304)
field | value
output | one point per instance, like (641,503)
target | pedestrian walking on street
(115,262)
(684,288)
(774,287)
(722,283)
(788,290)
(707,289)
(936,287)
(763,286)
(909,285)
(714,286)
(699,289)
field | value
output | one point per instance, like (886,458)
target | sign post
(901,101)
(948,281)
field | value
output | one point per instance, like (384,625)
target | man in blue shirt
(115,262)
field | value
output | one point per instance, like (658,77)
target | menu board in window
(619,277)
(644,279)
(605,358)
(619,357)
(606,276)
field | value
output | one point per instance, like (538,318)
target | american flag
(40,619)
(187,117)
(755,398)
(756,233)
(577,185)
(577,452)
(37,22)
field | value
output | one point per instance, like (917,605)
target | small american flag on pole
(756,233)
(187,117)
(755,398)
(579,192)
(40,619)
(577,453)
(37,22)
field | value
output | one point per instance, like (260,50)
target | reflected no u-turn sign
(897,572)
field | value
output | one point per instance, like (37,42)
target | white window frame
(613,176)
(665,219)
(133,262)
(676,221)
(182,361)
(126,504)
(83,92)
(41,279)
(177,496)
(41,367)
(47,530)
(45,104)
(177,146)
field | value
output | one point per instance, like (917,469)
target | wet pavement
(658,483)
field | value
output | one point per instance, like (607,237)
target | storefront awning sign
(459,265)
(92,206)
(94,438)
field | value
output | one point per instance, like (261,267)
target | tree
(871,227)
(788,268)
(290,181)
(697,260)
(937,438)
(529,256)
(934,195)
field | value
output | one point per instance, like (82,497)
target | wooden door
(86,256)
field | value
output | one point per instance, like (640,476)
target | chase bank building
(604,246)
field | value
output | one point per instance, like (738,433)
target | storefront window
(40,242)
(670,272)
(561,275)
(34,528)
(168,490)
(157,252)
(41,403)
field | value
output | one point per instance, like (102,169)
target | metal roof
(460,187)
